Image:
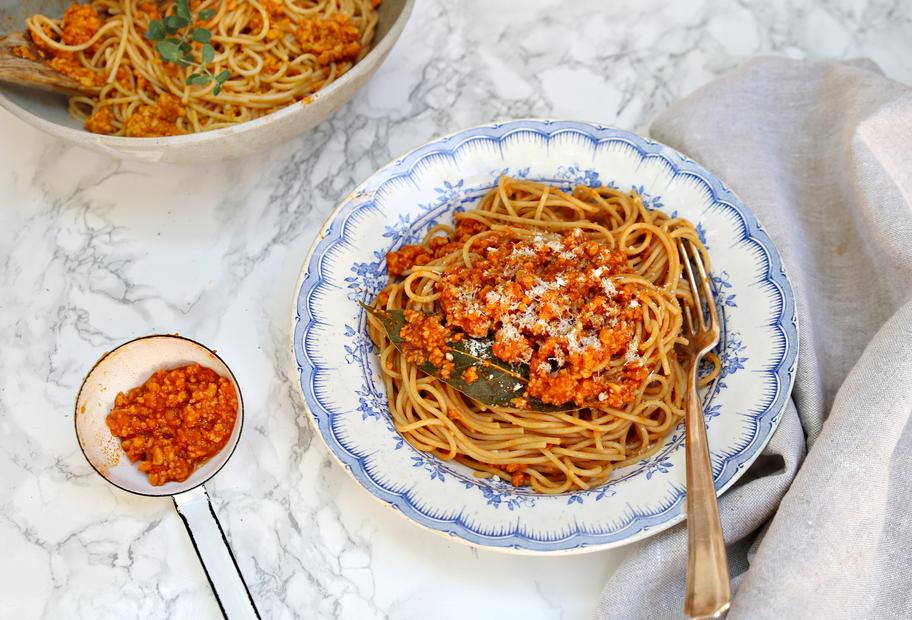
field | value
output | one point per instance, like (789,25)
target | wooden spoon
(35,73)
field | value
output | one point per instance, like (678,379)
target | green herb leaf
(156,31)
(498,382)
(186,51)
(178,48)
(207,54)
(183,10)
(173,23)
(220,79)
(169,50)
(206,14)
(199,79)
(201,35)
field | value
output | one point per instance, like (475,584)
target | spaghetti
(277,52)
(582,290)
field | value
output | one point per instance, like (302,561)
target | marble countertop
(95,251)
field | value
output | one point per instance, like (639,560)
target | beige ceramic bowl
(49,112)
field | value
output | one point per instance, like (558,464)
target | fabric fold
(821,152)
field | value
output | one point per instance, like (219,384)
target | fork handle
(708,592)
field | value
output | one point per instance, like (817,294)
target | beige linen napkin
(821,152)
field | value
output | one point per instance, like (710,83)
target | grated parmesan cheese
(475,347)
(633,351)
(494,296)
(565,326)
(552,243)
(575,344)
(522,252)
(508,332)
(541,287)
(559,358)
(549,289)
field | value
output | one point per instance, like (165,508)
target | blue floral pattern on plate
(336,361)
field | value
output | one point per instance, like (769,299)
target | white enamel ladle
(126,367)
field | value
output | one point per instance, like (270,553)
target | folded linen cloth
(821,152)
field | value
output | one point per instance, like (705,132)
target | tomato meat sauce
(548,301)
(175,421)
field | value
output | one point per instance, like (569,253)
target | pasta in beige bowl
(50,112)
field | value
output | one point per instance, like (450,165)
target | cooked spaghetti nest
(583,289)
(277,52)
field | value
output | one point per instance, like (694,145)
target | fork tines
(701,293)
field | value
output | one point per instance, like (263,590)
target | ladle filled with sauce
(159,416)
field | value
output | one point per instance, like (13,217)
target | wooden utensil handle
(33,72)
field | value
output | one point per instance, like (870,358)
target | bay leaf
(498,382)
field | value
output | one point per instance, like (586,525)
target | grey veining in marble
(94,251)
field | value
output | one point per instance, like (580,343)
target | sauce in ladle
(175,421)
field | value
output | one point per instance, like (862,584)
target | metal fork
(708,591)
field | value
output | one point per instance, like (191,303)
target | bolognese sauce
(175,421)
(549,302)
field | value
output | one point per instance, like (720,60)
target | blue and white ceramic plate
(337,364)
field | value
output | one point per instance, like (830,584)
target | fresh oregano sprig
(173,43)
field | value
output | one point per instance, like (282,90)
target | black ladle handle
(214,552)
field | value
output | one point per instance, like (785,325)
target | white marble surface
(94,252)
